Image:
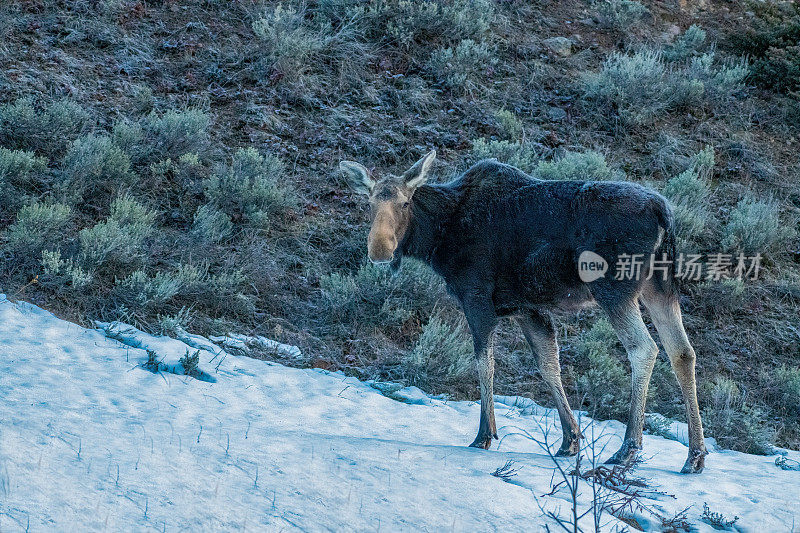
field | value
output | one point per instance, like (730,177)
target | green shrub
(717,520)
(95,166)
(703,162)
(38,227)
(18,165)
(143,100)
(689,196)
(688,192)
(588,165)
(509,125)
(129,212)
(290,43)
(130,138)
(440,348)
(754,226)
(189,160)
(771,39)
(226,284)
(407,22)
(464,68)
(250,190)
(640,87)
(178,182)
(374,297)
(153,363)
(140,291)
(620,15)
(368,297)
(118,242)
(599,338)
(48,130)
(171,325)
(191,363)
(787,384)
(211,225)
(177,132)
(780,68)
(691,223)
(313,50)
(162,170)
(735,423)
(688,44)
(686,187)
(670,153)
(409,94)
(20,174)
(151,293)
(655,424)
(518,154)
(606,383)
(64,272)
(692,185)
(633,85)
(711,83)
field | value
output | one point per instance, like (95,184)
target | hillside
(172,165)
(94,440)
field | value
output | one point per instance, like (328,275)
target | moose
(508,245)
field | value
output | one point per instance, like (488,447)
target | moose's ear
(357,177)
(418,174)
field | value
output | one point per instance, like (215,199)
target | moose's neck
(431,211)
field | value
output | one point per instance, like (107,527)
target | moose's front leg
(482,320)
(487,430)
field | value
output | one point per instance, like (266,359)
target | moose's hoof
(483,441)
(695,463)
(624,455)
(569,449)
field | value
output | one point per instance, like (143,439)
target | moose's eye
(406,204)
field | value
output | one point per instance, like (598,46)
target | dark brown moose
(508,244)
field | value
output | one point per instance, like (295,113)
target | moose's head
(390,199)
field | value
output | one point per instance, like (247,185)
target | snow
(91,440)
(242,343)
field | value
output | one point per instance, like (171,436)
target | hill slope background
(172,165)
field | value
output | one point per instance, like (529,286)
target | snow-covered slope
(89,439)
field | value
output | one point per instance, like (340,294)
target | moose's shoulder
(491,174)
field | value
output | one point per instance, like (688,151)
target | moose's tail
(666,249)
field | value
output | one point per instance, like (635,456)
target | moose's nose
(381,261)
(382,241)
(381,254)
(380,248)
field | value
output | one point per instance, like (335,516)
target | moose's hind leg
(540,334)
(642,351)
(666,315)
